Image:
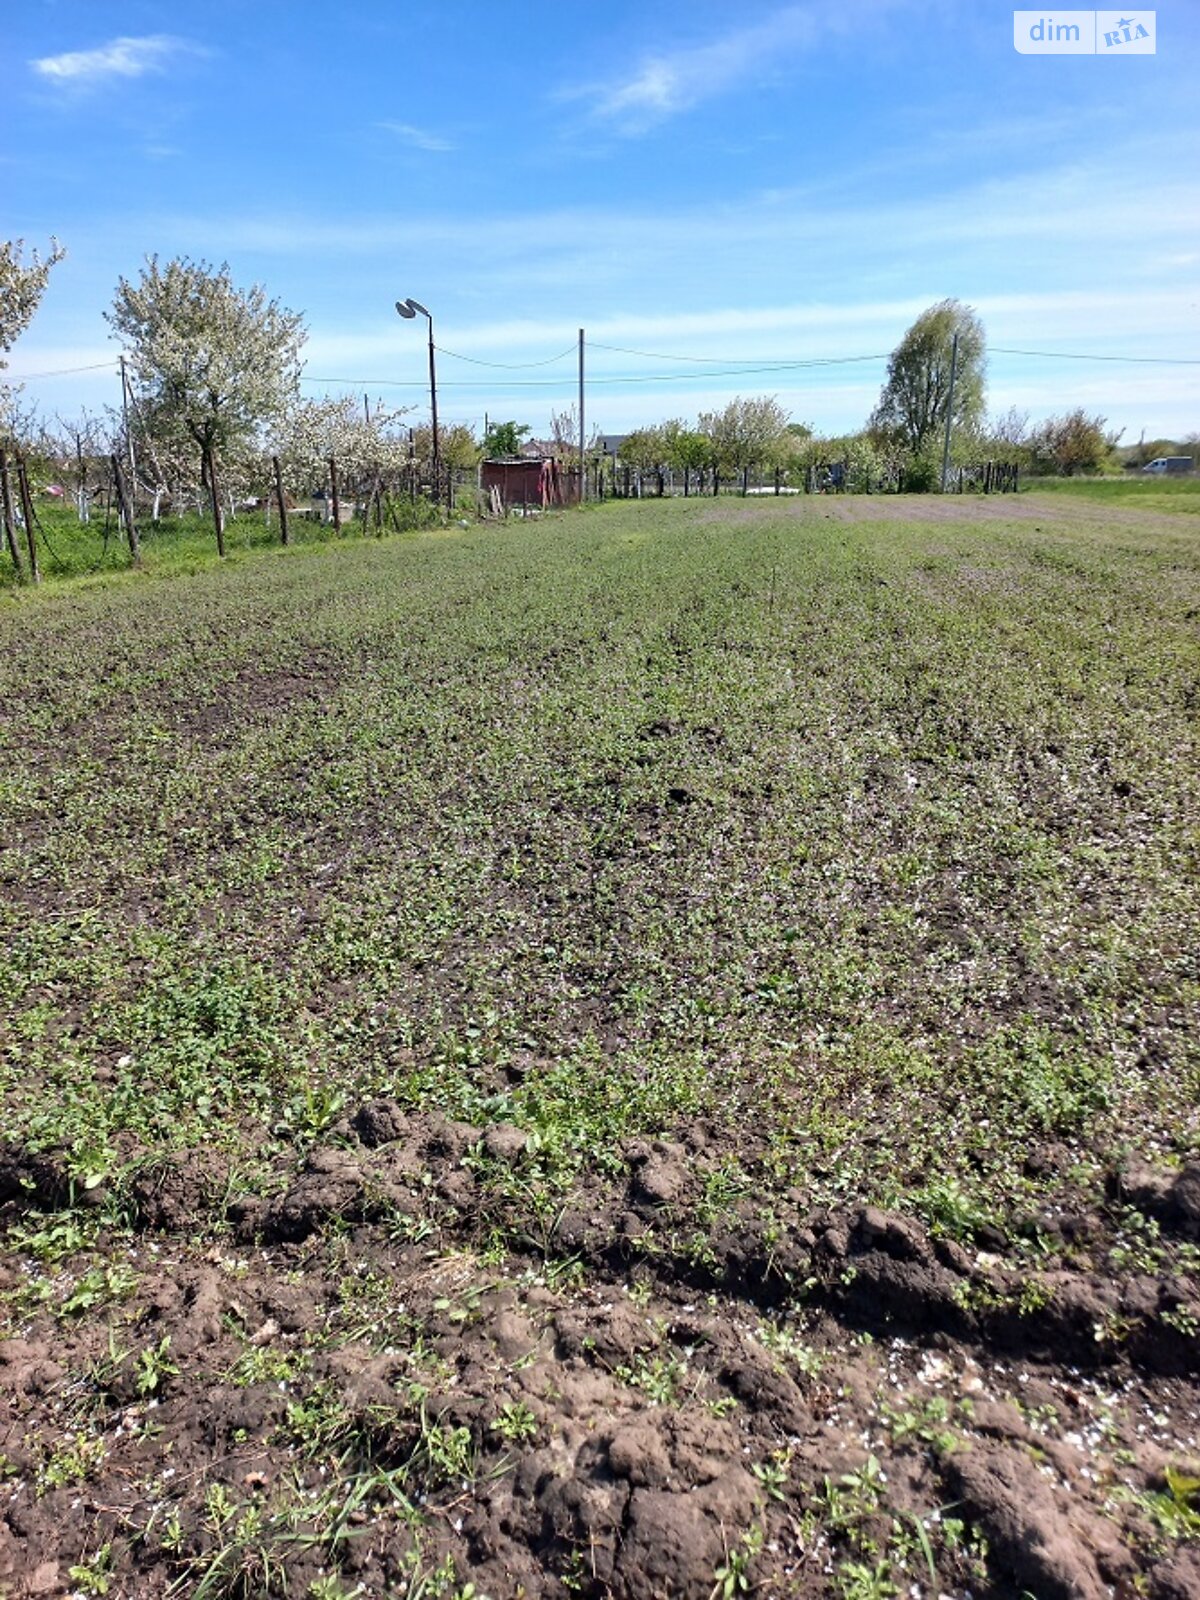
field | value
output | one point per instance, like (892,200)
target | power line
(557,383)
(508,366)
(734,367)
(811,361)
(62,372)
(1075,355)
(836,361)
(731,372)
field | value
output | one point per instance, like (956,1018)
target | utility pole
(582,433)
(437,458)
(949,411)
(411,308)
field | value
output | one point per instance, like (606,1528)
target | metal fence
(612,480)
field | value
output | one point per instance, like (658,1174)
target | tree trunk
(82,501)
(209,471)
(337,499)
(10,521)
(125,509)
(283,522)
(27,513)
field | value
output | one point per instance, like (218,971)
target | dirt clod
(1026,1522)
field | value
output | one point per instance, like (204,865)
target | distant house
(610,443)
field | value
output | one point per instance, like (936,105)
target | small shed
(533,485)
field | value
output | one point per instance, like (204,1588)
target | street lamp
(410,308)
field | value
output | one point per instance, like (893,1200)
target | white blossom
(22,285)
(208,360)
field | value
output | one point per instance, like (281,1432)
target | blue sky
(751,185)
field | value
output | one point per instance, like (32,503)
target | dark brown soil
(611,1416)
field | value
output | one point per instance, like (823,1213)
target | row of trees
(936,373)
(735,439)
(211,404)
(212,407)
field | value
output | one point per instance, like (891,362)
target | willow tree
(917,394)
(217,363)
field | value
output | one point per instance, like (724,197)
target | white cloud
(667,82)
(419,138)
(120,58)
(781,333)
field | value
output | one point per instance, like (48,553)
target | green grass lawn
(174,546)
(1146,492)
(871,844)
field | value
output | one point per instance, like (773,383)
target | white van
(1170,464)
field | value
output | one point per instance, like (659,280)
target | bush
(406,515)
(1072,443)
(922,474)
(863,467)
